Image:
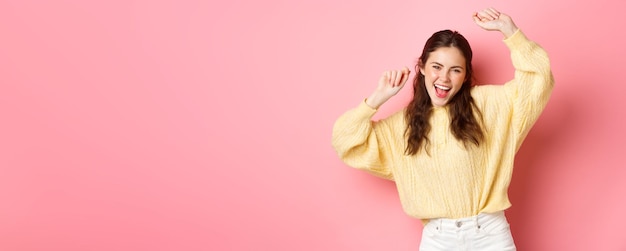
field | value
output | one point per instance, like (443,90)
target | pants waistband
(468,222)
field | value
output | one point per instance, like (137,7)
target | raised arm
(531,87)
(361,142)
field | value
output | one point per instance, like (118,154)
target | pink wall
(187,125)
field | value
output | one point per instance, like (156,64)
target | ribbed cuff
(365,110)
(518,38)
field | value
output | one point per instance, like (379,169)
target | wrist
(375,100)
(509,30)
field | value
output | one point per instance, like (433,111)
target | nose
(443,75)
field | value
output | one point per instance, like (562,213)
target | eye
(457,71)
(437,67)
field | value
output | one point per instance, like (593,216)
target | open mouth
(442,91)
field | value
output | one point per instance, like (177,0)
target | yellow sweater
(454,181)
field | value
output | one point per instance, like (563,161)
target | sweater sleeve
(532,85)
(360,142)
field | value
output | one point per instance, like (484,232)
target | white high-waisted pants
(482,232)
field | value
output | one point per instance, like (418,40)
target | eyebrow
(456,66)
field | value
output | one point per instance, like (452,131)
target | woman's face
(444,73)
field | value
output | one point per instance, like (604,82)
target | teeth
(443,87)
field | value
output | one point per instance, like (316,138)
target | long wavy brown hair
(463,112)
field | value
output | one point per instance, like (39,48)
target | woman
(451,150)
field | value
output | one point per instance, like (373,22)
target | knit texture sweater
(448,179)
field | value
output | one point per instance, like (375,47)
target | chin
(440,103)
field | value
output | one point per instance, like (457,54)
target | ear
(419,67)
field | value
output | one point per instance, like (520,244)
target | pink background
(187,125)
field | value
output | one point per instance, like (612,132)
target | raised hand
(389,84)
(492,20)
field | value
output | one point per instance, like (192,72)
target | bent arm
(532,85)
(359,143)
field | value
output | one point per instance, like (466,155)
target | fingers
(492,20)
(405,75)
(406,70)
(383,80)
(397,78)
(485,15)
(476,17)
